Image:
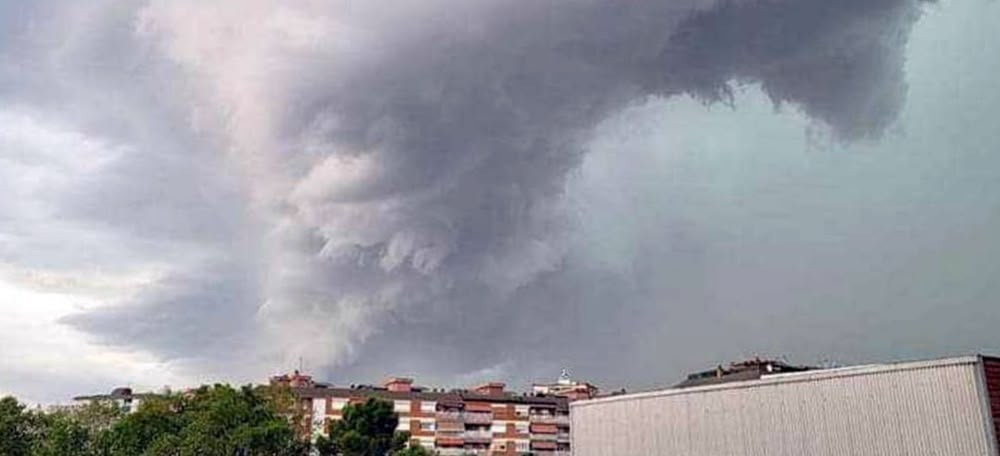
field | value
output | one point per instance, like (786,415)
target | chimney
(399,384)
(491,389)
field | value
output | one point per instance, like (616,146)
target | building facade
(486,420)
(948,407)
(122,398)
(566,387)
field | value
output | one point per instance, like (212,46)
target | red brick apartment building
(487,420)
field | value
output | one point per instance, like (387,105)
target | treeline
(211,421)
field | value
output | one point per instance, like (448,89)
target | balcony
(450,451)
(549,419)
(450,428)
(542,418)
(448,441)
(543,446)
(544,428)
(449,416)
(463,452)
(478,436)
(477,417)
(562,436)
(545,437)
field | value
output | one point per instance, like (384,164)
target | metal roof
(792,377)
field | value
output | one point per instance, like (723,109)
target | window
(427,426)
(522,428)
(338,403)
(521,410)
(522,447)
(404,424)
(401,406)
(499,428)
(428,407)
(319,407)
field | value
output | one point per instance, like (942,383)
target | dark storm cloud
(410,163)
(200,314)
(437,163)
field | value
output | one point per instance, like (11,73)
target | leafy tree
(218,420)
(95,416)
(59,434)
(367,429)
(75,432)
(325,446)
(286,404)
(211,421)
(414,450)
(156,419)
(16,428)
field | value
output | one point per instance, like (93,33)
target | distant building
(122,397)
(741,371)
(486,420)
(941,407)
(566,387)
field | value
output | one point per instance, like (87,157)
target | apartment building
(485,420)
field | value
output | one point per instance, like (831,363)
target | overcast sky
(199,191)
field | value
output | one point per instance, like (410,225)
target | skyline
(191,199)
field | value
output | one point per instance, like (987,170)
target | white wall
(923,409)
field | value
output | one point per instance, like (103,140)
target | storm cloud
(337,180)
(414,159)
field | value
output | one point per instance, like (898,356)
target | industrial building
(946,407)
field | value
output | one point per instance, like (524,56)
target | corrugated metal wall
(933,410)
(991,367)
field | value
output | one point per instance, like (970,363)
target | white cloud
(47,361)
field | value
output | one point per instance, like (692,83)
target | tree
(16,428)
(414,450)
(210,421)
(325,446)
(367,429)
(286,404)
(156,419)
(95,416)
(59,434)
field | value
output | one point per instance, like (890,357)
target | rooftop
(740,371)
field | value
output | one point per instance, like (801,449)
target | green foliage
(211,421)
(95,416)
(324,446)
(157,419)
(414,450)
(16,428)
(61,435)
(367,429)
